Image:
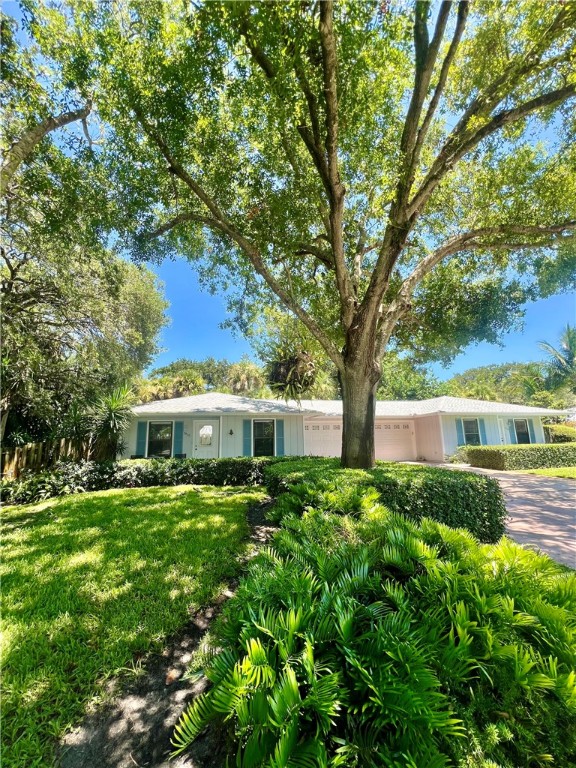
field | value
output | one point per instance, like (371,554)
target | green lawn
(569,472)
(89,581)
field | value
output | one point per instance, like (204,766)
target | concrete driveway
(542,511)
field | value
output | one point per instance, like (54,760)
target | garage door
(323,439)
(394,440)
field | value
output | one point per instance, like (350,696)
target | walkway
(542,511)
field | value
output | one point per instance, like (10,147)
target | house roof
(449,405)
(216,403)
(219,403)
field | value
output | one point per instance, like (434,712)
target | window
(471,432)
(160,439)
(264,438)
(206,435)
(522,432)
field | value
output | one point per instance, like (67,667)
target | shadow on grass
(91,582)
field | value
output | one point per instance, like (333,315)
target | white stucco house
(218,425)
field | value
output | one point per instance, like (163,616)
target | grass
(569,472)
(91,583)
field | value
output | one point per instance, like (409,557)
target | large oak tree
(390,173)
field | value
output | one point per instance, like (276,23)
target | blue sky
(195,314)
(194,331)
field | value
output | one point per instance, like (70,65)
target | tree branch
(398,227)
(25,145)
(181,219)
(463,9)
(519,68)
(311,139)
(456,147)
(336,188)
(476,239)
(221,224)
(473,240)
(319,253)
(461,139)
(425,55)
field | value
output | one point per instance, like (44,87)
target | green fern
(376,641)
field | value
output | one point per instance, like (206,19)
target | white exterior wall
(538,429)
(451,438)
(427,434)
(230,445)
(294,435)
(129,440)
(429,438)
(492,430)
(187,437)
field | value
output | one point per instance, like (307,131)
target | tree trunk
(3,420)
(359,384)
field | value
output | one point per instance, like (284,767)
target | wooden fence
(36,456)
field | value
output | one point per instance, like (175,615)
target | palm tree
(562,361)
(245,378)
(111,418)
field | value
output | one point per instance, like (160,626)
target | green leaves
(467,652)
(217,127)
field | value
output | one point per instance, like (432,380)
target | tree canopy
(387,173)
(78,320)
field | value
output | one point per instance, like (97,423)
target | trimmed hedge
(457,499)
(539,456)
(68,477)
(559,433)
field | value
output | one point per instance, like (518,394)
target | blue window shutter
(178,436)
(482,428)
(512,431)
(141,438)
(460,432)
(246,437)
(531,431)
(279,437)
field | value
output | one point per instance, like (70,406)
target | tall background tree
(562,360)
(78,321)
(388,174)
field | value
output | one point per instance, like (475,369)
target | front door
(206,439)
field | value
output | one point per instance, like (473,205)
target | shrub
(460,456)
(458,499)
(537,456)
(380,642)
(559,433)
(78,477)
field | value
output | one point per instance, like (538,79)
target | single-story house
(215,424)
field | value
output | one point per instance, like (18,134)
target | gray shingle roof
(445,404)
(218,403)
